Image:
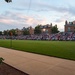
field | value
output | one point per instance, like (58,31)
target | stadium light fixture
(8,1)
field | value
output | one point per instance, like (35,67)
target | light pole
(11,39)
(2,35)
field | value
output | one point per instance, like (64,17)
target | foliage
(8,32)
(1,60)
(13,31)
(54,29)
(0,32)
(37,30)
(5,32)
(25,32)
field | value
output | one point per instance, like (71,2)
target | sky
(25,13)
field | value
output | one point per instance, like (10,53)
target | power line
(29,6)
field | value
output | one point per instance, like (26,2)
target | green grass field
(61,49)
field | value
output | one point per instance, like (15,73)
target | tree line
(25,31)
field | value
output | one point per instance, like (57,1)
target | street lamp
(11,39)
(2,35)
(8,1)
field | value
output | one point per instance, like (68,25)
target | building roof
(45,26)
(70,23)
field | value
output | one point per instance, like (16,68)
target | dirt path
(6,69)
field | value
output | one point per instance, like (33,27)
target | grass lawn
(61,49)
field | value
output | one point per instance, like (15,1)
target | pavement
(35,64)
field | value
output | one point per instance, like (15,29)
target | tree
(0,32)
(8,1)
(12,32)
(1,60)
(5,32)
(26,31)
(54,29)
(37,29)
(8,32)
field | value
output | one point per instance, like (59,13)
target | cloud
(43,6)
(6,21)
(53,11)
(59,9)
(60,21)
(64,17)
(20,20)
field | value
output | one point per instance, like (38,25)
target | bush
(1,60)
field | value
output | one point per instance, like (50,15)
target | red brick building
(31,30)
(19,32)
(69,26)
(46,28)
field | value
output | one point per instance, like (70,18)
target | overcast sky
(25,13)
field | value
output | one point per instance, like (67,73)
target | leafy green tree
(0,32)
(54,29)
(1,60)
(37,30)
(8,32)
(5,32)
(26,32)
(12,32)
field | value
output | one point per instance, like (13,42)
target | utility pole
(11,34)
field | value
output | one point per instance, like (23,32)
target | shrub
(1,60)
